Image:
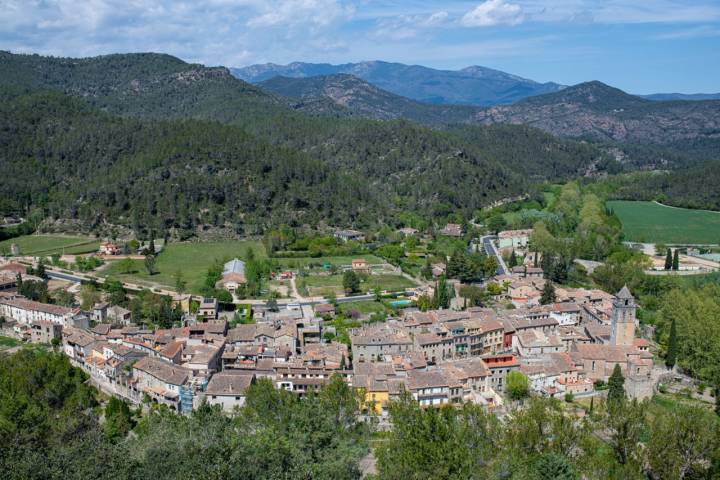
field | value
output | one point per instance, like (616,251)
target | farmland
(51,244)
(192,259)
(651,222)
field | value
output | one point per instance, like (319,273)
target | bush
(569,397)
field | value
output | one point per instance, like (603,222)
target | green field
(651,222)
(293,263)
(50,244)
(192,259)
(324,284)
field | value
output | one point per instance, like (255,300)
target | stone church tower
(623,318)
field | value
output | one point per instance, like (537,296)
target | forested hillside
(155,159)
(693,187)
(153,143)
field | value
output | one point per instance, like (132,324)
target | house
(407,231)
(434,346)
(45,332)
(8,280)
(118,315)
(514,239)
(301,380)
(525,271)
(208,308)
(77,344)
(360,265)
(109,248)
(557,374)
(99,313)
(161,381)
(452,230)
(325,310)
(500,366)
(233,276)
(433,388)
(535,343)
(376,341)
(349,235)
(228,390)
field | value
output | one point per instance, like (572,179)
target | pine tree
(668,260)
(616,386)
(151,245)
(671,356)
(342,362)
(676,261)
(548,293)
(535,262)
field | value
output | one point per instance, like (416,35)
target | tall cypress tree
(676,261)
(548,293)
(671,356)
(616,386)
(668,260)
(513,260)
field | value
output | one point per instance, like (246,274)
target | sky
(640,46)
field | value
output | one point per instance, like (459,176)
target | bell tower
(623,318)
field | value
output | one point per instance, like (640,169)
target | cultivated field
(50,244)
(651,222)
(192,259)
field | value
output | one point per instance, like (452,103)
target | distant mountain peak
(473,85)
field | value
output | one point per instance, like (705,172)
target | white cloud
(493,12)
(402,27)
(292,12)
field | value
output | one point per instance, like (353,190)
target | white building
(26,311)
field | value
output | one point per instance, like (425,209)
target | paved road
(490,249)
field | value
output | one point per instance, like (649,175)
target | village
(565,348)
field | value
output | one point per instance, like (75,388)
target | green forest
(155,144)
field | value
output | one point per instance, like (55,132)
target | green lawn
(50,244)
(192,259)
(365,307)
(292,263)
(324,284)
(651,222)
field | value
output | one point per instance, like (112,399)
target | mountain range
(153,143)
(475,85)
(590,110)
(470,86)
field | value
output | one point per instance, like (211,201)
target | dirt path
(295,292)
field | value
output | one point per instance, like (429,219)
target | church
(623,348)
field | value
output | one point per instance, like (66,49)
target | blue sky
(641,46)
